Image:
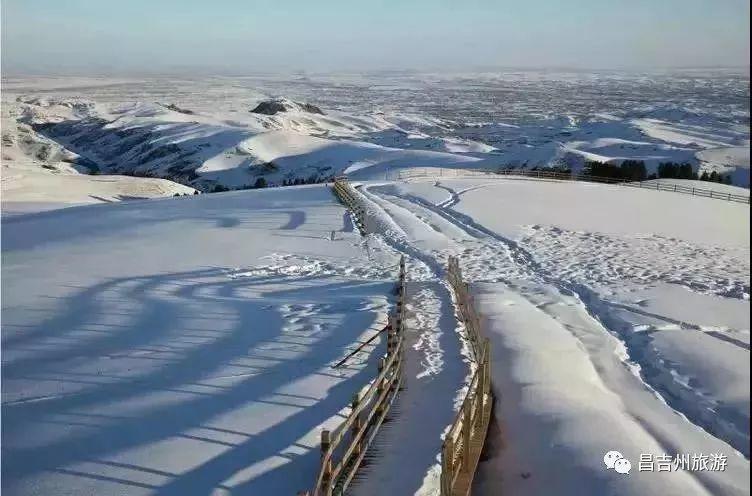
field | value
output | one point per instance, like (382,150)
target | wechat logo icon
(616,461)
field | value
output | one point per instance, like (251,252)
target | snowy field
(183,346)
(180,346)
(619,319)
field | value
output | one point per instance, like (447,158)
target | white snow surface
(32,189)
(585,291)
(183,346)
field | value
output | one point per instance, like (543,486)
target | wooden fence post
(466,431)
(326,485)
(448,465)
(481,387)
(389,334)
(380,389)
(393,375)
(357,424)
(398,313)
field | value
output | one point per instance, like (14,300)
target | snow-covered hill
(204,133)
(29,189)
(203,150)
(39,174)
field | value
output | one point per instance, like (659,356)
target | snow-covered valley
(186,345)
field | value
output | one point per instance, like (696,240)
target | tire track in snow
(454,196)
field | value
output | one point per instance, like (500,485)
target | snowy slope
(34,189)
(619,319)
(731,160)
(183,346)
(38,174)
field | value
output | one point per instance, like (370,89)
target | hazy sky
(244,36)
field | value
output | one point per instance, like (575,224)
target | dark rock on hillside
(272,107)
(175,108)
(311,109)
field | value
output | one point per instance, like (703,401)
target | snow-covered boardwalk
(405,455)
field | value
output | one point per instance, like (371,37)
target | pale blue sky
(244,36)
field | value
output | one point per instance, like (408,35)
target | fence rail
(566,176)
(343,449)
(463,443)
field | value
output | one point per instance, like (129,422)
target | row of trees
(715,177)
(314,179)
(672,170)
(628,170)
(635,170)
(262,183)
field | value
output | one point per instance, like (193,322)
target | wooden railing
(567,176)
(689,190)
(343,449)
(344,192)
(463,443)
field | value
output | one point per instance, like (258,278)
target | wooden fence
(566,176)
(344,192)
(689,190)
(463,443)
(343,449)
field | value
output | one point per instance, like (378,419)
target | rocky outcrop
(175,108)
(272,107)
